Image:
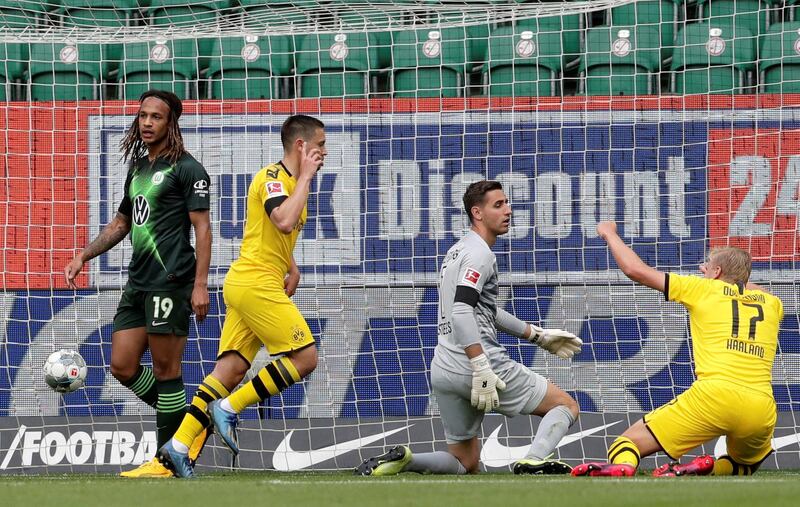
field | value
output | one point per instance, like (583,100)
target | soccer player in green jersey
(166,194)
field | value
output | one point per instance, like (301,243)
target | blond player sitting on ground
(734,328)
(256,291)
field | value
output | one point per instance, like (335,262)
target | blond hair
(734,262)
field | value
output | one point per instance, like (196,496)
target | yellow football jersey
(266,252)
(734,330)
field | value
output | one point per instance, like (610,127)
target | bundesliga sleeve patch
(471,278)
(274,189)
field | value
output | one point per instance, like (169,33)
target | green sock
(170,409)
(143,385)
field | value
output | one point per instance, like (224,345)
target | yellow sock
(624,452)
(272,379)
(196,417)
(724,465)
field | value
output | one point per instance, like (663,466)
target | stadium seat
(174,12)
(232,76)
(568,26)
(13,59)
(60,72)
(336,65)
(511,72)
(440,73)
(109,13)
(721,65)
(21,13)
(621,60)
(779,64)
(145,66)
(660,14)
(748,14)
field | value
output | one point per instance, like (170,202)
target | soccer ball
(65,371)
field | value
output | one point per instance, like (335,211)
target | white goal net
(679,122)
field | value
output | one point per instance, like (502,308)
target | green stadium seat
(720,64)
(231,76)
(187,14)
(21,13)
(779,63)
(568,26)
(748,14)
(660,14)
(516,68)
(144,66)
(441,74)
(110,13)
(60,72)
(336,65)
(13,60)
(621,60)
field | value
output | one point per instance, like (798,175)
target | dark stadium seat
(659,14)
(568,26)
(21,13)
(721,65)
(779,64)
(522,69)
(621,60)
(439,73)
(13,61)
(336,65)
(748,14)
(144,66)
(233,74)
(109,13)
(60,72)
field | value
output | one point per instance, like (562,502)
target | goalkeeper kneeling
(734,326)
(471,372)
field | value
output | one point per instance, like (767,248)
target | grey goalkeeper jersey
(471,263)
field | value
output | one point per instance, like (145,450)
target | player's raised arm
(310,155)
(113,233)
(627,260)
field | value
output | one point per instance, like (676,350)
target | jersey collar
(280,163)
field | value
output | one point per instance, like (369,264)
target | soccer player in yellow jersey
(734,326)
(257,291)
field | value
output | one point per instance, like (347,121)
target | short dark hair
(476,192)
(298,125)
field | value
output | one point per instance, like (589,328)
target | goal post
(679,123)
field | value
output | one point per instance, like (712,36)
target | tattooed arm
(111,234)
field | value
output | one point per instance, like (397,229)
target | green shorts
(161,312)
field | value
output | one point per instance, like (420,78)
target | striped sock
(624,452)
(725,465)
(143,385)
(170,409)
(271,379)
(196,416)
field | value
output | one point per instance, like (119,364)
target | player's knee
(230,370)
(470,464)
(123,371)
(305,360)
(166,370)
(572,406)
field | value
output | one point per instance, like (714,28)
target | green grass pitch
(768,488)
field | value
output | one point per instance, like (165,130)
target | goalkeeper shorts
(255,315)
(712,408)
(525,390)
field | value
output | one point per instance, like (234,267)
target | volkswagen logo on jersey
(141,210)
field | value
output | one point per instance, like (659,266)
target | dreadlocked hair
(132,145)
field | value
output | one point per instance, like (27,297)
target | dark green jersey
(158,198)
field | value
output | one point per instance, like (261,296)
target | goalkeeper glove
(556,341)
(485,385)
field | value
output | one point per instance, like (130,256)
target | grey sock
(439,462)
(552,429)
